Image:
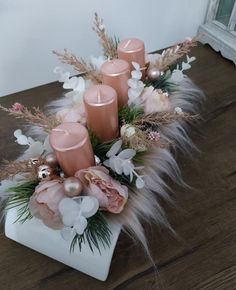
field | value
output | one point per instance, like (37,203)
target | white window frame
(222,38)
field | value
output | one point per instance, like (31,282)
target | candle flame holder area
(99,162)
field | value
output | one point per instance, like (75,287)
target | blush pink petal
(44,203)
(112,196)
(155,101)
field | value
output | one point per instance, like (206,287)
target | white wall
(30,29)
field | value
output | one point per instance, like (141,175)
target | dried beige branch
(141,140)
(10,169)
(35,117)
(79,65)
(108,44)
(173,54)
(158,119)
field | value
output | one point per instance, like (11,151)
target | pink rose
(44,203)
(155,100)
(112,196)
(75,114)
(17,107)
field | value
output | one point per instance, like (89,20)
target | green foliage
(163,83)
(19,197)
(95,141)
(96,234)
(116,41)
(129,114)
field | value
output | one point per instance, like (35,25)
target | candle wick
(99,96)
(127,43)
(61,130)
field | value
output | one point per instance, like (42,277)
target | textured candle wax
(116,73)
(102,111)
(72,146)
(132,50)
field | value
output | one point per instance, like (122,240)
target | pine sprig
(19,197)
(96,234)
(129,114)
(163,83)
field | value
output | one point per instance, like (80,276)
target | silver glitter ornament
(153,73)
(51,159)
(45,172)
(72,186)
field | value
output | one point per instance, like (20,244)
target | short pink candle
(116,73)
(72,146)
(102,111)
(132,50)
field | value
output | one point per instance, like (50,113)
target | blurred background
(30,30)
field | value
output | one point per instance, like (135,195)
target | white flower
(36,148)
(74,212)
(136,86)
(153,58)
(120,162)
(178,111)
(177,74)
(63,77)
(127,130)
(97,62)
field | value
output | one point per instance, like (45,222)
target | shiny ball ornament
(72,186)
(153,73)
(51,159)
(45,172)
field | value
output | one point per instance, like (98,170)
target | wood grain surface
(203,254)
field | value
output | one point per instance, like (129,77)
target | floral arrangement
(116,171)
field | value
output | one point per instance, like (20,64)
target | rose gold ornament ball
(72,186)
(153,73)
(51,159)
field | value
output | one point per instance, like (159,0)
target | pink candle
(102,111)
(132,50)
(71,144)
(116,73)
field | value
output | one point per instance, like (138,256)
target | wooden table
(203,256)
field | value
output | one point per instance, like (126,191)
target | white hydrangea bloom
(120,161)
(74,212)
(136,86)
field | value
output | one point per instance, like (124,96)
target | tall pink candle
(102,111)
(116,73)
(132,49)
(72,146)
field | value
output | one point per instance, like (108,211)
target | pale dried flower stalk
(36,117)
(159,119)
(10,169)
(140,141)
(173,54)
(80,65)
(108,44)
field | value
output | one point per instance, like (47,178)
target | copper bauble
(72,186)
(51,159)
(153,73)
